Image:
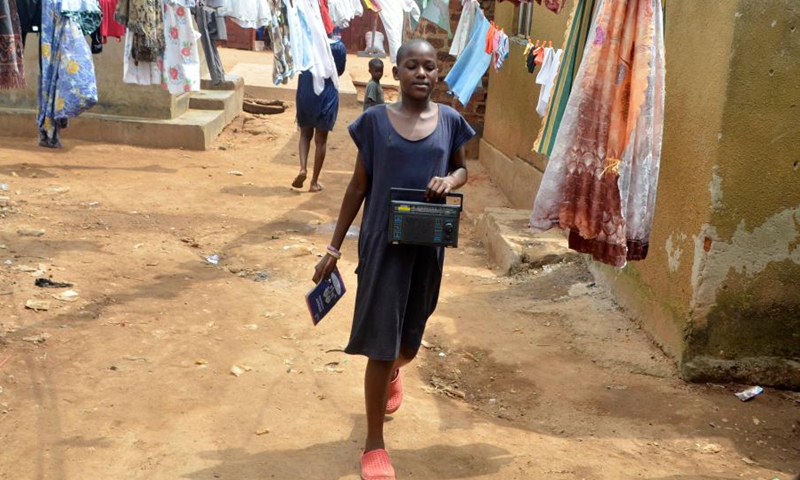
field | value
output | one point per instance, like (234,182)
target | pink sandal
(375,465)
(395,394)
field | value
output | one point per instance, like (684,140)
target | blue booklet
(322,298)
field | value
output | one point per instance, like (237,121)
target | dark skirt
(398,289)
(316,111)
(320,111)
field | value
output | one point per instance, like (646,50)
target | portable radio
(417,222)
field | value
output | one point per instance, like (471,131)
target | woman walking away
(415,144)
(316,116)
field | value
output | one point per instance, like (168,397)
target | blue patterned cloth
(67,84)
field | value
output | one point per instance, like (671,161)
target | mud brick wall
(475,109)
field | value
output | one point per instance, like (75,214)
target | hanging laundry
(467,73)
(547,77)
(67,83)
(178,69)
(530,56)
(372,5)
(145,18)
(499,49)
(299,38)
(325,13)
(343,11)
(203,16)
(464,27)
(12,68)
(110,27)
(553,5)
(321,60)
(437,12)
(601,180)
(392,14)
(248,13)
(489,43)
(283,65)
(577,31)
(30,16)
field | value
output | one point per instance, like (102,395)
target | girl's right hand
(324,268)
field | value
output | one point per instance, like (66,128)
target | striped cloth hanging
(578,27)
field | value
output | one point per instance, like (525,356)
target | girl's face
(417,71)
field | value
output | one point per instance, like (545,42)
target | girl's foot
(299,180)
(376,465)
(315,187)
(395,394)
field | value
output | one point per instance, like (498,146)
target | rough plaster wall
(745,306)
(659,290)
(748,252)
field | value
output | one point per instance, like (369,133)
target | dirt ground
(534,376)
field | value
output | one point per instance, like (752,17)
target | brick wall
(475,110)
(238,37)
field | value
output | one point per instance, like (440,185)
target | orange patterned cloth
(601,181)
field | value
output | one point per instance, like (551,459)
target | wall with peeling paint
(721,288)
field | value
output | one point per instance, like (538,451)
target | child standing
(417,144)
(374,94)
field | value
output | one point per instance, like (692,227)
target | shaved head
(412,45)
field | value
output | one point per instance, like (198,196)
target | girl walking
(414,144)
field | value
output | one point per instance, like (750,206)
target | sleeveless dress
(398,285)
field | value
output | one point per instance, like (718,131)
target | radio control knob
(448,228)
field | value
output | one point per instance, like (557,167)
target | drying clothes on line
(321,61)
(30,17)
(178,70)
(145,18)
(499,49)
(392,15)
(325,13)
(577,31)
(67,83)
(110,27)
(467,73)
(283,65)
(553,5)
(248,13)
(461,36)
(12,67)
(202,16)
(517,2)
(88,20)
(489,40)
(601,180)
(344,11)
(299,37)
(437,12)
(547,77)
(372,5)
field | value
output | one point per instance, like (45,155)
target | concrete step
(514,247)
(228,101)
(194,130)
(231,82)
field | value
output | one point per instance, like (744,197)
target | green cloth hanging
(578,28)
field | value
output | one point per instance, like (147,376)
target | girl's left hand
(439,187)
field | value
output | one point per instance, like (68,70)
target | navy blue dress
(398,285)
(320,111)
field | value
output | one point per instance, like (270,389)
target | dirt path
(537,376)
